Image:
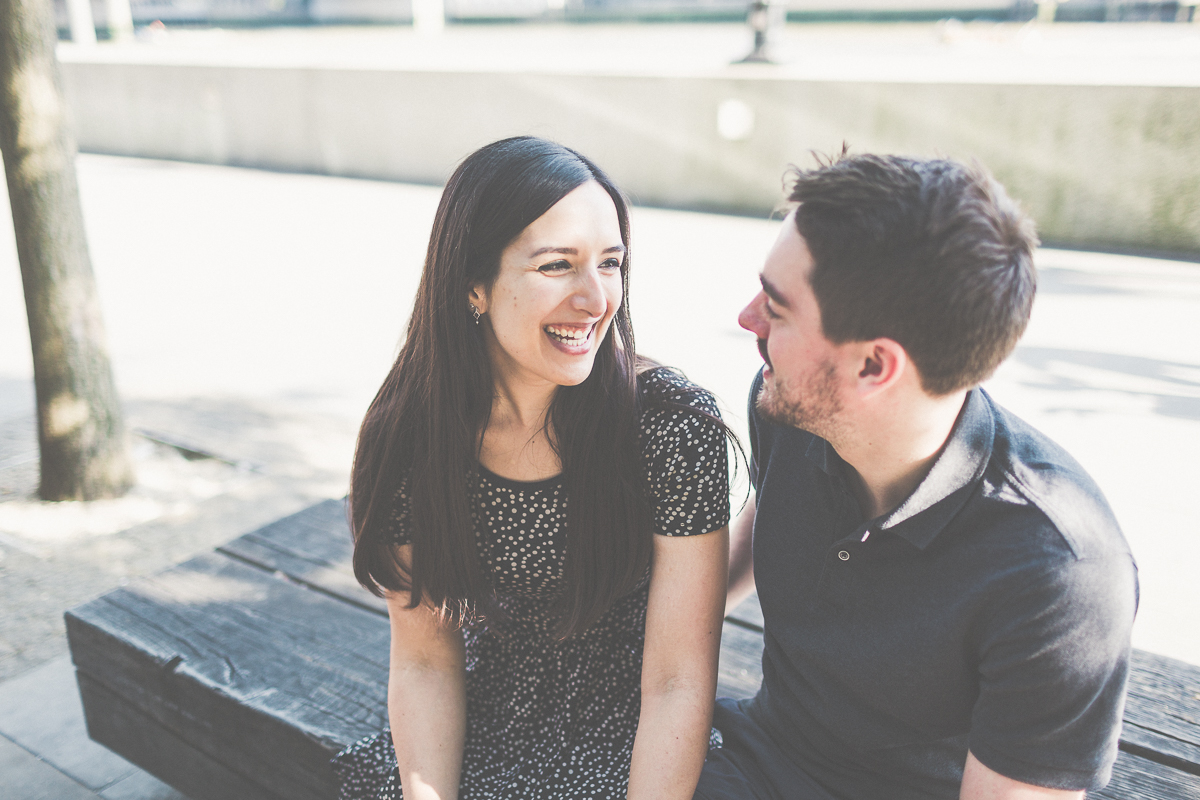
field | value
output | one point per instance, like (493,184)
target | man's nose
(751,317)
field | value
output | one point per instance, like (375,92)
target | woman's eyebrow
(571,251)
(541,251)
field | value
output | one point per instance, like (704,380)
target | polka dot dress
(550,719)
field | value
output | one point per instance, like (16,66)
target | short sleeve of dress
(685,455)
(399,516)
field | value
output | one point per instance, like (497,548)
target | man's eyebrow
(773,292)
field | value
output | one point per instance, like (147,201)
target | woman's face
(557,290)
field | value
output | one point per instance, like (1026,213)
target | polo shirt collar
(949,482)
(935,501)
(821,453)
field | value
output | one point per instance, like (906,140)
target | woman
(508,481)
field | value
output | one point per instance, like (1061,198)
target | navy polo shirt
(991,610)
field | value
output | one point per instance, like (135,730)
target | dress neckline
(512,483)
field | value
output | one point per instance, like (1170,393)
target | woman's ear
(478,298)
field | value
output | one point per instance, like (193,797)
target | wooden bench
(238,674)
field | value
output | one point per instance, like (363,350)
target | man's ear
(881,363)
(478,297)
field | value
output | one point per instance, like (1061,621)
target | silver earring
(474,312)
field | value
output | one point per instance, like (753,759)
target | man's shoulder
(1049,489)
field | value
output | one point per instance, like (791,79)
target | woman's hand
(679,667)
(427,704)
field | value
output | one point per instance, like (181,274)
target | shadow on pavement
(1173,387)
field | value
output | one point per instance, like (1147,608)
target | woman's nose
(589,293)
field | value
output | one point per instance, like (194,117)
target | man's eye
(554,266)
(770,311)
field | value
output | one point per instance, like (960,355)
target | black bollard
(764,18)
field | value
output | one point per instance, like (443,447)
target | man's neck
(894,451)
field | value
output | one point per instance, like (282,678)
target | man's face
(801,385)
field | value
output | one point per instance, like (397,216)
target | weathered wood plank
(262,675)
(749,612)
(740,671)
(1162,714)
(140,738)
(319,533)
(1137,778)
(312,547)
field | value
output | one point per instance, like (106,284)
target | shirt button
(843,555)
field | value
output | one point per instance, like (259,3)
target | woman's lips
(570,338)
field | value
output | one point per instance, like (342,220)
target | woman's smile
(573,339)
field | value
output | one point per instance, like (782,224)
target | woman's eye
(554,266)
(610,263)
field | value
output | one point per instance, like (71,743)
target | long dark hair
(423,427)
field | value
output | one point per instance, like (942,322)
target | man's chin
(771,409)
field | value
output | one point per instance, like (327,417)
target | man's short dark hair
(930,253)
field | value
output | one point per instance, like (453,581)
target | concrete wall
(1099,166)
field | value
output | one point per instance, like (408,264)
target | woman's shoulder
(661,387)
(684,447)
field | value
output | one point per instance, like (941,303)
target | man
(946,596)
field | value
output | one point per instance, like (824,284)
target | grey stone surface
(39,708)
(140,785)
(27,777)
(41,711)
(266,471)
(39,585)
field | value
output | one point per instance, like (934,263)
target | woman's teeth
(569,335)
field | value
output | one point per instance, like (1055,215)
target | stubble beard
(813,406)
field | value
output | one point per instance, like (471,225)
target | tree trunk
(84,451)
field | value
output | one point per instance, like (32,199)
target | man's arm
(741,555)
(981,783)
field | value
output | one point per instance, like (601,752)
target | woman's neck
(516,443)
(522,405)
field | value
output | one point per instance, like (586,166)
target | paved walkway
(253,315)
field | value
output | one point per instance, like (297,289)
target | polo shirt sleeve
(1054,661)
